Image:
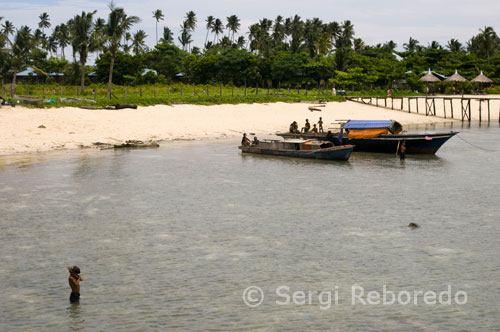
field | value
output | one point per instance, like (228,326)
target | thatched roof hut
(456,78)
(481,78)
(430,77)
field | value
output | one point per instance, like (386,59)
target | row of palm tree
(82,32)
(87,34)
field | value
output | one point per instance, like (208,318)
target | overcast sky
(374,21)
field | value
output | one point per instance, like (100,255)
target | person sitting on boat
(292,127)
(295,127)
(255,141)
(320,125)
(314,129)
(245,141)
(306,127)
(2,101)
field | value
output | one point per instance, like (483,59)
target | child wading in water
(74,282)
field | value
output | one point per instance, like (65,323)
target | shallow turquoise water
(168,239)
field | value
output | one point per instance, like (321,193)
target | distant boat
(299,148)
(379,136)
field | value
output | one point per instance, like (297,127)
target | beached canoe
(298,148)
(379,136)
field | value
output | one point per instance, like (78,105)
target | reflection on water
(168,239)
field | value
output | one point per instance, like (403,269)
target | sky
(374,21)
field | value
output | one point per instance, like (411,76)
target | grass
(169,94)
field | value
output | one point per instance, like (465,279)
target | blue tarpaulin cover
(365,124)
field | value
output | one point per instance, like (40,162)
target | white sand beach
(72,128)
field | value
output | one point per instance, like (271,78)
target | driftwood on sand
(121,106)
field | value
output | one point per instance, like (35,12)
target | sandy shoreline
(72,128)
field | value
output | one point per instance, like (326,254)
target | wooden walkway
(447,105)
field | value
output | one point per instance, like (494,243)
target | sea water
(171,238)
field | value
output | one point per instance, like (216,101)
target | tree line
(284,51)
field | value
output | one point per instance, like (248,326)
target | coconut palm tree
(99,35)
(278,31)
(185,37)
(8,28)
(210,23)
(81,28)
(217,29)
(435,45)
(233,25)
(52,44)
(44,21)
(168,36)
(454,45)
(20,49)
(411,46)
(62,36)
(158,15)
(296,33)
(138,44)
(191,20)
(190,25)
(116,27)
(487,42)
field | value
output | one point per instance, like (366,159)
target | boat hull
(415,143)
(334,153)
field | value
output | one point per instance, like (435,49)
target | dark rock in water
(41,126)
(134,144)
(413,225)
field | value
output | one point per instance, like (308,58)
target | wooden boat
(29,100)
(77,100)
(379,136)
(299,148)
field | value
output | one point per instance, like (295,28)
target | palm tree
(138,44)
(52,45)
(168,36)
(487,41)
(99,34)
(278,31)
(210,23)
(44,21)
(435,45)
(359,45)
(411,46)
(62,36)
(191,20)
(116,27)
(20,48)
(158,15)
(454,45)
(296,33)
(233,25)
(217,28)
(8,28)
(125,46)
(185,37)
(81,27)
(190,25)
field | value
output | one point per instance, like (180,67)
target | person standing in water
(402,150)
(74,282)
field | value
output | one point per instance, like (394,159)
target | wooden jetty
(467,105)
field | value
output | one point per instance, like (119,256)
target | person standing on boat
(320,125)
(402,150)
(74,282)
(245,141)
(306,127)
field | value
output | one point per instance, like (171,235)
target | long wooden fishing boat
(300,148)
(379,136)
